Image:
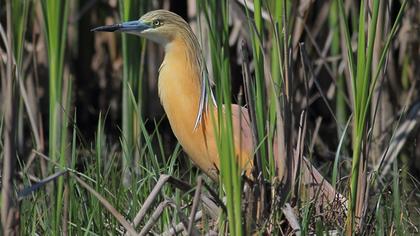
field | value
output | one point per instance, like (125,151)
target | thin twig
(306,64)
(149,200)
(210,204)
(154,217)
(118,216)
(291,218)
(28,190)
(184,220)
(176,229)
(196,201)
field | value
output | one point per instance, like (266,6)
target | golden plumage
(180,92)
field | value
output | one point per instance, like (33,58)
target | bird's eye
(157,23)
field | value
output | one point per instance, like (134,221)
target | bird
(185,94)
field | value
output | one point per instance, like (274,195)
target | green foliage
(132,78)
(229,169)
(20,11)
(362,86)
(55,16)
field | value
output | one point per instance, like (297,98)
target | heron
(185,94)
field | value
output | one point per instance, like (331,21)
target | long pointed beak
(129,27)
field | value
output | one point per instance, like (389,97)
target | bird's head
(160,26)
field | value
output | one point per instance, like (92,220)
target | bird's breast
(179,92)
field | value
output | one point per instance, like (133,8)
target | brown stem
(9,210)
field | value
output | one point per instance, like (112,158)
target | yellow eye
(157,23)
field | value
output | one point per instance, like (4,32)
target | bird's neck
(179,85)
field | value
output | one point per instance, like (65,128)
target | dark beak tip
(106,28)
(96,29)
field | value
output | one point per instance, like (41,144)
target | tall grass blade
(219,52)
(362,85)
(337,155)
(55,14)
(131,49)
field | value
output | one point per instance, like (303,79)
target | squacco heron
(184,91)
(186,98)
